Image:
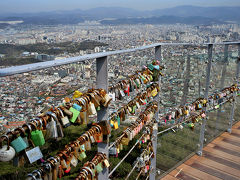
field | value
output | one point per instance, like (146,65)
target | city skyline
(29,6)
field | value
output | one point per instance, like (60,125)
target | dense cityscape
(19,99)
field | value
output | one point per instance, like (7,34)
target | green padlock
(191,125)
(118,120)
(150,67)
(37,136)
(82,155)
(133,109)
(99,167)
(151,78)
(75,114)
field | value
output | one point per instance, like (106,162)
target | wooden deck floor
(220,160)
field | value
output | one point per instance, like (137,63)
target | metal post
(102,82)
(186,82)
(199,80)
(152,176)
(235,93)
(224,70)
(208,70)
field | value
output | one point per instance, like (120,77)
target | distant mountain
(220,13)
(179,14)
(194,20)
(112,12)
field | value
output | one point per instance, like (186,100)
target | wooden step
(222,154)
(230,172)
(196,173)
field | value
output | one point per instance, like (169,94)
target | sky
(19,6)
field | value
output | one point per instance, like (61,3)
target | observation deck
(202,83)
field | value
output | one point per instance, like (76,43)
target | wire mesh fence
(177,144)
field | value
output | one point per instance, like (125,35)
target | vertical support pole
(102,82)
(224,70)
(152,176)
(186,82)
(199,81)
(235,93)
(158,56)
(208,70)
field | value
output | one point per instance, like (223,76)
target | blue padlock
(77,107)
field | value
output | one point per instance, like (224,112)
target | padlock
(37,136)
(120,147)
(75,114)
(93,169)
(38,175)
(82,155)
(150,67)
(34,154)
(77,107)
(112,95)
(48,170)
(19,144)
(115,125)
(127,89)
(138,105)
(52,126)
(73,160)
(84,117)
(64,119)
(90,135)
(7,152)
(104,160)
(154,92)
(105,127)
(91,109)
(87,142)
(133,109)
(59,130)
(118,120)
(107,100)
(55,163)
(99,167)
(122,94)
(67,112)
(98,135)
(125,141)
(90,174)
(60,171)
(113,150)
(31,176)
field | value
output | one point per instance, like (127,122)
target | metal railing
(102,82)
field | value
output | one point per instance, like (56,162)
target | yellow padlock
(77,94)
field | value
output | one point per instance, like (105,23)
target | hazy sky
(49,5)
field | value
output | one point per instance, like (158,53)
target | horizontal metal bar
(224,43)
(43,65)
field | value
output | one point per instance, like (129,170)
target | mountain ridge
(219,14)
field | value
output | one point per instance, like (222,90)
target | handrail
(43,65)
